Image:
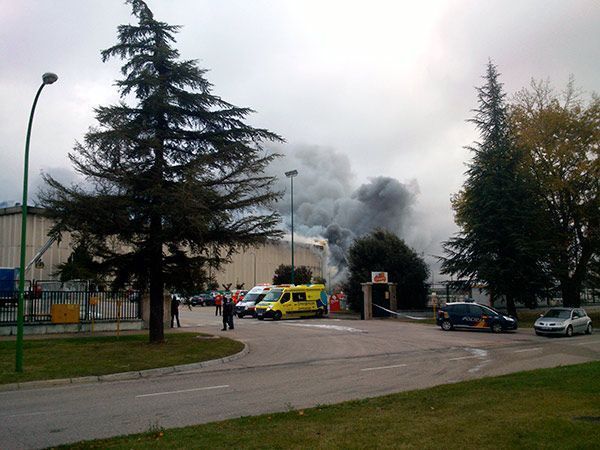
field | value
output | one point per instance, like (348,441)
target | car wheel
(277,315)
(496,327)
(569,331)
(446,325)
(589,329)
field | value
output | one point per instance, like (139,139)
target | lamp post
(47,78)
(254,255)
(291,174)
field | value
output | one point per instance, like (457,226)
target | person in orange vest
(218,303)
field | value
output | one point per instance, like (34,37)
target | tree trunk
(510,306)
(570,293)
(156,332)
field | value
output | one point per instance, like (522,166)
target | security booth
(379,297)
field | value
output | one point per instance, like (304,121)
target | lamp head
(49,78)
(291,173)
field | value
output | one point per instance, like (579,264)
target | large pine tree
(500,240)
(174,175)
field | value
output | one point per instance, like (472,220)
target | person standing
(175,310)
(227,313)
(218,303)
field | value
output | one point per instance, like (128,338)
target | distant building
(257,263)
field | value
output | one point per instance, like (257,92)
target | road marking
(182,391)
(383,367)
(528,350)
(327,327)
(464,357)
(30,414)
(588,343)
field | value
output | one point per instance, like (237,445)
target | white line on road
(463,357)
(30,414)
(528,350)
(383,367)
(588,343)
(185,390)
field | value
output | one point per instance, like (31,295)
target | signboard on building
(379,277)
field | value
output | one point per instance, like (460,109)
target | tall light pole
(47,78)
(254,255)
(291,174)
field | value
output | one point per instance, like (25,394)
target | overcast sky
(383,87)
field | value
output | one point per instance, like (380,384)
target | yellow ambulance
(284,302)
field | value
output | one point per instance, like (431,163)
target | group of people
(223,306)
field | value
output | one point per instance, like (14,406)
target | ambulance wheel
(320,314)
(277,315)
(260,318)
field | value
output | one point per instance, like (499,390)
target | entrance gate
(369,306)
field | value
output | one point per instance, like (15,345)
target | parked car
(474,315)
(563,321)
(202,300)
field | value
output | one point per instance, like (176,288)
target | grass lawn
(549,408)
(83,356)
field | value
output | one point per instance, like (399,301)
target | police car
(474,315)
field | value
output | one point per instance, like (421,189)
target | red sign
(379,277)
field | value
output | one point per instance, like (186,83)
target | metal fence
(97,306)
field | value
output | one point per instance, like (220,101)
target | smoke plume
(329,204)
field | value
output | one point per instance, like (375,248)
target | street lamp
(47,78)
(254,255)
(291,174)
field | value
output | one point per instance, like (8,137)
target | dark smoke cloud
(329,204)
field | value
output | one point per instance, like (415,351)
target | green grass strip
(541,409)
(46,359)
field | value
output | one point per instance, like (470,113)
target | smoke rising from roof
(329,205)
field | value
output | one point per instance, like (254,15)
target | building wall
(268,258)
(38,227)
(240,270)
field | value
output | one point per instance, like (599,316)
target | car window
(299,296)
(489,311)
(557,314)
(457,309)
(575,314)
(582,313)
(474,310)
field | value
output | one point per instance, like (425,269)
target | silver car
(563,321)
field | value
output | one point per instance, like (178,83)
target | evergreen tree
(500,240)
(175,175)
(383,251)
(80,265)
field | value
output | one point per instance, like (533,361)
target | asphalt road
(290,364)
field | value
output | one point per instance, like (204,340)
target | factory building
(251,266)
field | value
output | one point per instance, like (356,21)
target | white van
(247,306)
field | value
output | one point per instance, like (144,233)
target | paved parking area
(293,363)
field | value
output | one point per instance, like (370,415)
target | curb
(122,376)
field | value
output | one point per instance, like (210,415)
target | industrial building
(252,266)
